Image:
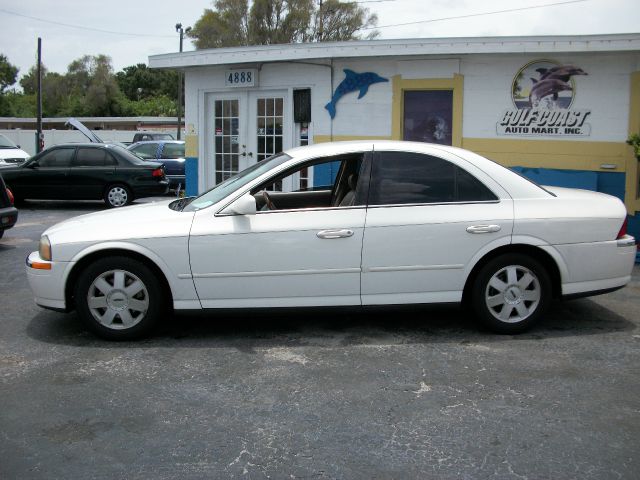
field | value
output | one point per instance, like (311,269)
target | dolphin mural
(552,81)
(353,81)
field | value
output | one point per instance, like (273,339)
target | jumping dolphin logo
(552,81)
(353,81)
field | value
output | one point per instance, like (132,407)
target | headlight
(45,248)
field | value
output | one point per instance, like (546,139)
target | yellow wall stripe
(191,145)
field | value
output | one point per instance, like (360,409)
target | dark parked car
(8,213)
(144,136)
(90,171)
(169,152)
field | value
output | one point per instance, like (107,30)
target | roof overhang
(404,47)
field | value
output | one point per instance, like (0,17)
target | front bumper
(47,281)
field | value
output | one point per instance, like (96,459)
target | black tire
(507,307)
(117,195)
(116,312)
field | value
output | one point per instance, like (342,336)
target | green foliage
(140,82)
(90,89)
(634,141)
(8,73)
(231,23)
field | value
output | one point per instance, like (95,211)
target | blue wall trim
(191,176)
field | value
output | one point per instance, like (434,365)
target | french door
(246,127)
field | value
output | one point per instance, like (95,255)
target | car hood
(149,220)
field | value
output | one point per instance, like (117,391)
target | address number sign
(241,78)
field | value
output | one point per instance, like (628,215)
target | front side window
(58,158)
(411,178)
(343,186)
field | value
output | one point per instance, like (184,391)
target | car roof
(142,142)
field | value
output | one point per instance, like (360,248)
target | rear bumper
(8,217)
(159,188)
(596,267)
(175,180)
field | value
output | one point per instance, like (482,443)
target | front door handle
(329,234)
(483,228)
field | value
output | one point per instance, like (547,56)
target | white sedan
(396,223)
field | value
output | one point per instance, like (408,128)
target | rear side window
(173,150)
(407,178)
(92,157)
(58,157)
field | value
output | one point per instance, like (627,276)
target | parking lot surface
(410,393)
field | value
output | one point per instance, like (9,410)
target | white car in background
(397,223)
(10,153)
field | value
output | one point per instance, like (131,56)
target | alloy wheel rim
(117,196)
(513,294)
(118,299)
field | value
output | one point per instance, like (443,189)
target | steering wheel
(268,201)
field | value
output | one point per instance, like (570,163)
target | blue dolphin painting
(354,81)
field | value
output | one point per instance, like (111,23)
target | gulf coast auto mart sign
(542,93)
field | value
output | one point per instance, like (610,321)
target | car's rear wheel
(119,298)
(511,292)
(117,196)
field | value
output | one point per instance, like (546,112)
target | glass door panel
(227,138)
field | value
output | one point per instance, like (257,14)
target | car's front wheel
(119,298)
(511,292)
(117,196)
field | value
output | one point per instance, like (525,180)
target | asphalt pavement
(395,394)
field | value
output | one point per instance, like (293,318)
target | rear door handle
(329,234)
(483,228)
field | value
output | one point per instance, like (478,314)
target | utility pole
(181,31)
(320,25)
(39,134)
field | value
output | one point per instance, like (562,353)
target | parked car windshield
(6,143)
(236,182)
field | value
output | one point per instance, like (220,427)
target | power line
(474,15)
(80,27)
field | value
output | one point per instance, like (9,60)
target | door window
(347,190)
(57,158)
(410,178)
(92,157)
(226,138)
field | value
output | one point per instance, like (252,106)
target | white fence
(27,138)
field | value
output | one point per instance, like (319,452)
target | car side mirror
(245,205)
(33,165)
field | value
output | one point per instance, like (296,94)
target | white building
(558,108)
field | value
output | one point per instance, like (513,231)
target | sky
(147,27)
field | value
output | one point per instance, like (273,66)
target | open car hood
(78,125)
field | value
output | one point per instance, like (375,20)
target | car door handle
(328,234)
(483,228)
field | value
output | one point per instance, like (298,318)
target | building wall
(483,85)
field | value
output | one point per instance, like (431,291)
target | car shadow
(333,327)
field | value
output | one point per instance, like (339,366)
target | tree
(139,82)
(8,73)
(232,23)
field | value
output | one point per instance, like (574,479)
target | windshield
(236,182)
(6,143)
